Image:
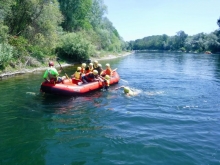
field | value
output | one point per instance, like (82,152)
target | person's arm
(46,76)
(56,73)
(119,87)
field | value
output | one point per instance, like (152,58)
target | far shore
(23,71)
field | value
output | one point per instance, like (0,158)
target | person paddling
(51,74)
(106,82)
(76,77)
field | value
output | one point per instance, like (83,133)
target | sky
(136,19)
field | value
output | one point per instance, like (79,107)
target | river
(173,119)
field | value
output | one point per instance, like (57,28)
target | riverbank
(6,74)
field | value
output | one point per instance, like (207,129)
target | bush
(5,54)
(20,45)
(182,49)
(75,47)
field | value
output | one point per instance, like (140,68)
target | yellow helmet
(126,90)
(108,65)
(107,77)
(95,72)
(83,65)
(79,68)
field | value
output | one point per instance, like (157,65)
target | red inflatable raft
(67,87)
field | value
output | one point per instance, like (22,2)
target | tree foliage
(40,28)
(5,55)
(75,46)
(218,22)
(180,42)
(75,14)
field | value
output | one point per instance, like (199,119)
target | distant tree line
(180,42)
(32,31)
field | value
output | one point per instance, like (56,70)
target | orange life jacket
(108,72)
(83,70)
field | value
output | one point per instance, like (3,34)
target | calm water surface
(174,119)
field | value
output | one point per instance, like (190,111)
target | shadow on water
(63,104)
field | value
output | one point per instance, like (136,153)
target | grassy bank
(22,69)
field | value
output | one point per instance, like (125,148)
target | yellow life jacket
(77,75)
(90,69)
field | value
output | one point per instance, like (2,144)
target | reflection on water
(173,119)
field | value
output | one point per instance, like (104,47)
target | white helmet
(83,65)
(95,72)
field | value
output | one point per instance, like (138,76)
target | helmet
(100,65)
(90,64)
(107,77)
(51,63)
(95,72)
(107,65)
(79,68)
(83,65)
(126,89)
(96,62)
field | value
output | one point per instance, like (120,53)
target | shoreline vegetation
(35,32)
(8,74)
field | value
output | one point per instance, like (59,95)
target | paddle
(123,80)
(114,70)
(62,68)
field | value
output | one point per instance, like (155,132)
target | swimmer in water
(127,91)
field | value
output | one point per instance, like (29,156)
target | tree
(32,26)
(5,9)
(213,43)
(96,13)
(180,39)
(75,14)
(23,14)
(218,22)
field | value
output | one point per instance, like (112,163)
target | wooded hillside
(32,31)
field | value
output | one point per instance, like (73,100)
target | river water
(173,119)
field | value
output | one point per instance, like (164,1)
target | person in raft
(83,70)
(95,64)
(90,68)
(76,77)
(90,77)
(108,70)
(99,69)
(106,82)
(51,74)
(127,91)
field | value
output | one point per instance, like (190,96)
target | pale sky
(136,19)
